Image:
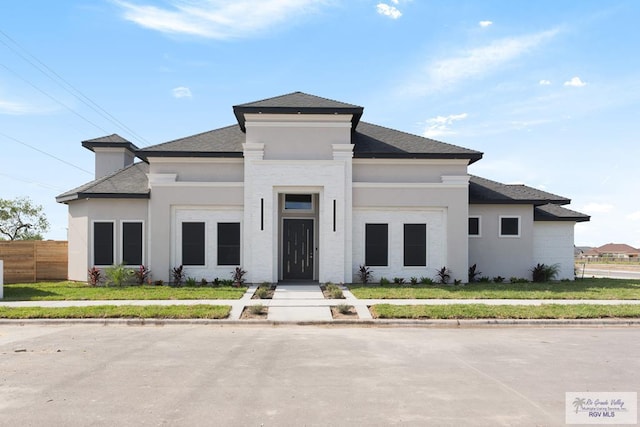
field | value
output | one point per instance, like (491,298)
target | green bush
(413,280)
(191,281)
(544,273)
(118,274)
(256,309)
(384,281)
(426,280)
(343,308)
(262,293)
(398,280)
(498,279)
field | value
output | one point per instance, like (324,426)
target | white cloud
(19,108)
(181,92)
(635,216)
(575,82)
(485,24)
(441,125)
(545,82)
(445,73)
(594,207)
(390,11)
(217,19)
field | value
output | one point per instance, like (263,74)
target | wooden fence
(34,260)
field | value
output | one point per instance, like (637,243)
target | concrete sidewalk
(304,302)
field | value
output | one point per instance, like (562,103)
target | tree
(20,219)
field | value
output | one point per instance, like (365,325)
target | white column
(344,153)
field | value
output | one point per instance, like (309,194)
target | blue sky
(548,90)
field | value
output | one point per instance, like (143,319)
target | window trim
(479,218)
(509,236)
(218,243)
(93,241)
(404,247)
(388,244)
(181,243)
(136,221)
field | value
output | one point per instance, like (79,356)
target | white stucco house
(299,188)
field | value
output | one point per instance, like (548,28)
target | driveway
(305,375)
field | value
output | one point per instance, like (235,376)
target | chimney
(112,152)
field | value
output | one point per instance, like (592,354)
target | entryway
(297,249)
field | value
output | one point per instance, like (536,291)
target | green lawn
(481,311)
(118,311)
(579,289)
(49,291)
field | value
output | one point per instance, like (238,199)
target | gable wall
(406,170)
(199,170)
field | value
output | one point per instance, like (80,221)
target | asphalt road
(611,273)
(190,375)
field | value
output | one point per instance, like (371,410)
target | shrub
(203,282)
(256,309)
(94,276)
(498,279)
(426,280)
(443,275)
(238,276)
(365,274)
(413,280)
(118,274)
(457,282)
(177,275)
(159,282)
(226,282)
(215,282)
(398,280)
(484,279)
(343,308)
(544,273)
(474,273)
(142,275)
(334,291)
(262,293)
(384,281)
(191,281)
(518,280)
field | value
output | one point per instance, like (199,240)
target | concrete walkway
(304,302)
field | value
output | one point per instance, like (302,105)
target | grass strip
(200,311)
(579,289)
(69,291)
(482,311)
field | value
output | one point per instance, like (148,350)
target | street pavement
(231,375)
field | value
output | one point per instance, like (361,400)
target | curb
(427,323)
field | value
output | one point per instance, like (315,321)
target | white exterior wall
(502,256)
(436,224)
(290,154)
(82,215)
(199,169)
(111,159)
(553,244)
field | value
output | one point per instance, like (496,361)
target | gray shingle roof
(482,190)
(113,140)
(552,212)
(224,142)
(377,141)
(300,103)
(130,182)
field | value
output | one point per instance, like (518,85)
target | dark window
(228,243)
(376,244)
(132,243)
(509,226)
(415,245)
(298,202)
(103,243)
(474,226)
(193,243)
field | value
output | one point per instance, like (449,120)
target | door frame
(282,242)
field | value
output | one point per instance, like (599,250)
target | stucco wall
(553,244)
(82,214)
(502,256)
(199,170)
(109,160)
(167,195)
(406,170)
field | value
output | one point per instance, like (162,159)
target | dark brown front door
(297,249)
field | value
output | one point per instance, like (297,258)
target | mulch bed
(248,314)
(269,294)
(352,314)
